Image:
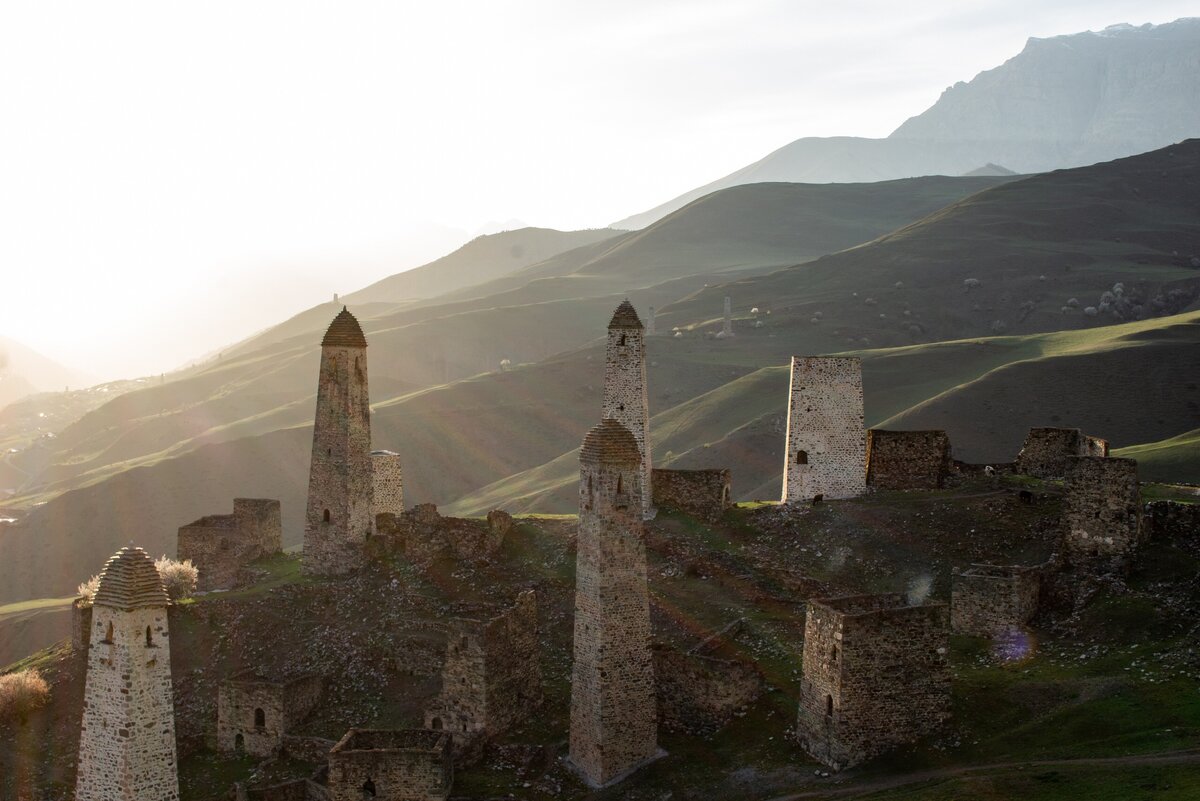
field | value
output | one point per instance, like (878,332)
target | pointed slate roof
(129,580)
(344,332)
(625,316)
(610,443)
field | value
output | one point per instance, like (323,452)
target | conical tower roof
(610,443)
(344,332)
(130,580)
(625,316)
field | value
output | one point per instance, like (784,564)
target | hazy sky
(174,176)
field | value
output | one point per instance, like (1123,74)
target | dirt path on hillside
(879,785)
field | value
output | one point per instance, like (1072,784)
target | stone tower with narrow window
(826,439)
(625,387)
(613,717)
(127,737)
(340,480)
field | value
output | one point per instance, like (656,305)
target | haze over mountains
(1064,101)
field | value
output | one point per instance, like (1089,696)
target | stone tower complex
(613,715)
(876,674)
(625,388)
(127,737)
(826,441)
(340,482)
(388,481)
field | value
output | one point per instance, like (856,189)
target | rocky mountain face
(1065,101)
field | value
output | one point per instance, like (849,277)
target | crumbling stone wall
(625,398)
(340,483)
(994,600)
(613,710)
(396,765)
(705,494)
(253,713)
(492,677)
(875,674)
(826,441)
(220,545)
(1102,510)
(1172,520)
(307,749)
(81,625)
(1047,451)
(422,534)
(388,479)
(127,734)
(702,689)
(297,790)
(907,460)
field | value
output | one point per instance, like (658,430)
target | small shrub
(87,590)
(179,578)
(21,693)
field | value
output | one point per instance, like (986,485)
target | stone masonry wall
(907,460)
(826,441)
(994,600)
(81,625)
(492,676)
(220,545)
(253,714)
(1102,510)
(1047,450)
(700,694)
(127,736)
(625,398)
(402,765)
(1172,520)
(875,675)
(341,485)
(704,494)
(388,479)
(421,534)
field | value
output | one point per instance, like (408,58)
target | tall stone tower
(826,440)
(614,727)
(625,387)
(127,737)
(340,481)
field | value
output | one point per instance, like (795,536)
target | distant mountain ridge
(1064,101)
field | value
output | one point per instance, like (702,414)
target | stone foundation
(907,460)
(704,494)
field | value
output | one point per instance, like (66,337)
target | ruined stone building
(907,460)
(127,736)
(994,600)
(422,534)
(705,494)
(388,484)
(613,717)
(391,765)
(492,677)
(727,320)
(625,397)
(826,442)
(701,690)
(1047,451)
(220,545)
(253,713)
(1102,510)
(875,674)
(340,482)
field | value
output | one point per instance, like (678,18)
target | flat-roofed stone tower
(340,479)
(826,440)
(614,726)
(127,737)
(625,387)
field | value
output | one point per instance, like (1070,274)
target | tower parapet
(340,483)
(625,397)
(127,735)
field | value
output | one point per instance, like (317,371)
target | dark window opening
(108,633)
(621,501)
(436,724)
(329,451)
(149,638)
(833,656)
(260,719)
(239,743)
(829,706)
(368,789)
(801,457)
(325,517)
(622,342)
(464,643)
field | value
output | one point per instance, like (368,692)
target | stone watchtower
(625,388)
(127,737)
(613,715)
(826,440)
(340,482)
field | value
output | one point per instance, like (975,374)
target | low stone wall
(704,494)
(399,764)
(220,545)
(994,600)
(907,460)
(1173,520)
(298,790)
(1046,451)
(81,625)
(421,535)
(700,694)
(307,749)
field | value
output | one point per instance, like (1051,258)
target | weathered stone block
(705,494)
(994,600)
